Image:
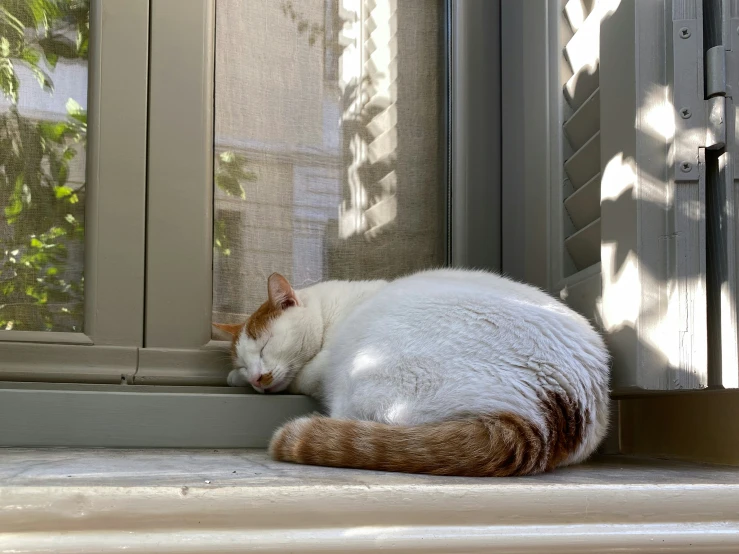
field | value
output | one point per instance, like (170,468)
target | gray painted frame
(115,199)
(476,199)
(731,43)
(179,282)
(527,151)
(653,259)
(159,417)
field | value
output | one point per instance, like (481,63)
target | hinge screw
(685,167)
(685,113)
(684,32)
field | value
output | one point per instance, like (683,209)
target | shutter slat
(581,52)
(583,206)
(584,123)
(585,163)
(582,49)
(584,246)
(565,35)
(580,76)
(580,86)
(576,11)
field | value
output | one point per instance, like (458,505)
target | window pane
(43,126)
(328,143)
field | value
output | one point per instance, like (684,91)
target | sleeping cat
(447,372)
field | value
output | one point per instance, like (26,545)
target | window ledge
(211,501)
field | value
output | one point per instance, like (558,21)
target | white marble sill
(214,501)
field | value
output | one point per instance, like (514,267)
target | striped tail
(487,445)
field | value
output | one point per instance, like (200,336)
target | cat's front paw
(236,379)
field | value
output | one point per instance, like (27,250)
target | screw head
(684,32)
(685,167)
(685,113)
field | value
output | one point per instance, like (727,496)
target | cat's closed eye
(261,351)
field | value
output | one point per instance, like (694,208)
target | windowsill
(97,500)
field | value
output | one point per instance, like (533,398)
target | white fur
(431,346)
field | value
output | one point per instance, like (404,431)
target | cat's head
(277,340)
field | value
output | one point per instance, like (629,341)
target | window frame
(178,348)
(140,389)
(75,413)
(106,350)
(177,345)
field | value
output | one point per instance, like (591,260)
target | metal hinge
(716,97)
(716,71)
(701,106)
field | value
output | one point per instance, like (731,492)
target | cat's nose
(261,381)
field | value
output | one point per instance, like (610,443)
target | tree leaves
(59,46)
(37,33)
(9,83)
(42,216)
(231,171)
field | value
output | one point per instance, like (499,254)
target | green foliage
(41,212)
(231,172)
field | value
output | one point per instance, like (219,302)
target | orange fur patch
(281,295)
(232,329)
(492,445)
(266,379)
(259,321)
(257,324)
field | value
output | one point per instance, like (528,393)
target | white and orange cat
(447,372)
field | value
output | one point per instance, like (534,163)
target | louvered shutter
(633,231)
(575,236)
(638,174)
(668,71)
(581,129)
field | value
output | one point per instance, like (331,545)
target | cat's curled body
(445,372)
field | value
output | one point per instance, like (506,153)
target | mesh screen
(43,127)
(328,143)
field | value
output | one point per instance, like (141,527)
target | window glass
(43,128)
(329,146)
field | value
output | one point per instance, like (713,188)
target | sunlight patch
(364,361)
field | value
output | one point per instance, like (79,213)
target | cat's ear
(232,329)
(281,294)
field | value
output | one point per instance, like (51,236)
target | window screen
(329,146)
(43,127)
